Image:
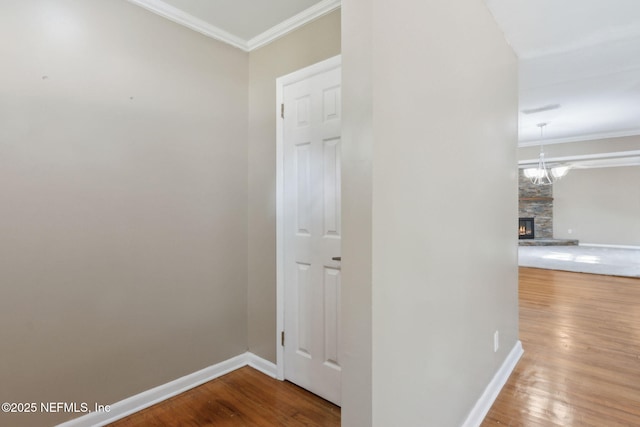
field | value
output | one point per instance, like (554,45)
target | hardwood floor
(244,397)
(581,365)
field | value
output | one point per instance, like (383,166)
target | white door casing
(309,229)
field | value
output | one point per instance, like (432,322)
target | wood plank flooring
(581,362)
(581,367)
(244,397)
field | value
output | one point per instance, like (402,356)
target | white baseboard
(262,365)
(482,406)
(155,395)
(598,245)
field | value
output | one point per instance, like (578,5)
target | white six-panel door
(312,232)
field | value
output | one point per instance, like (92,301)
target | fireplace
(525,228)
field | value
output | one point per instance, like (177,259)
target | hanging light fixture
(541,175)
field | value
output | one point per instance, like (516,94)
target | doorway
(309,228)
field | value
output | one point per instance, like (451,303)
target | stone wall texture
(540,208)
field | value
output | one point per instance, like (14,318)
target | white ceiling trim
(297,21)
(590,137)
(180,17)
(599,160)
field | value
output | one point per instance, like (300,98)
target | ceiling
(579,59)
(579,66)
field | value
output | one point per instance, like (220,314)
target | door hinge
(282,338)
(282,110)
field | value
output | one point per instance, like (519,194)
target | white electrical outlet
(496,341)
(570,231)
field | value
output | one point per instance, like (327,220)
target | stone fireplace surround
(536,201)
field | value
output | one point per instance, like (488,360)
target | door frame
(281,82)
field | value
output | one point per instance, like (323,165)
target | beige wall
(600,205)
(357,209)
(123,248)
(308,45)
(444,107)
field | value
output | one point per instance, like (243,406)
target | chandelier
(541,175)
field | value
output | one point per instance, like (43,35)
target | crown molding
(180,17)
(314,12)
(588,137)
(597,160)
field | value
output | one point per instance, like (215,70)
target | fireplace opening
(525,228)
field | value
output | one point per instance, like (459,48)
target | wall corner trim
(262,365)
(163,392)
(482,406)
